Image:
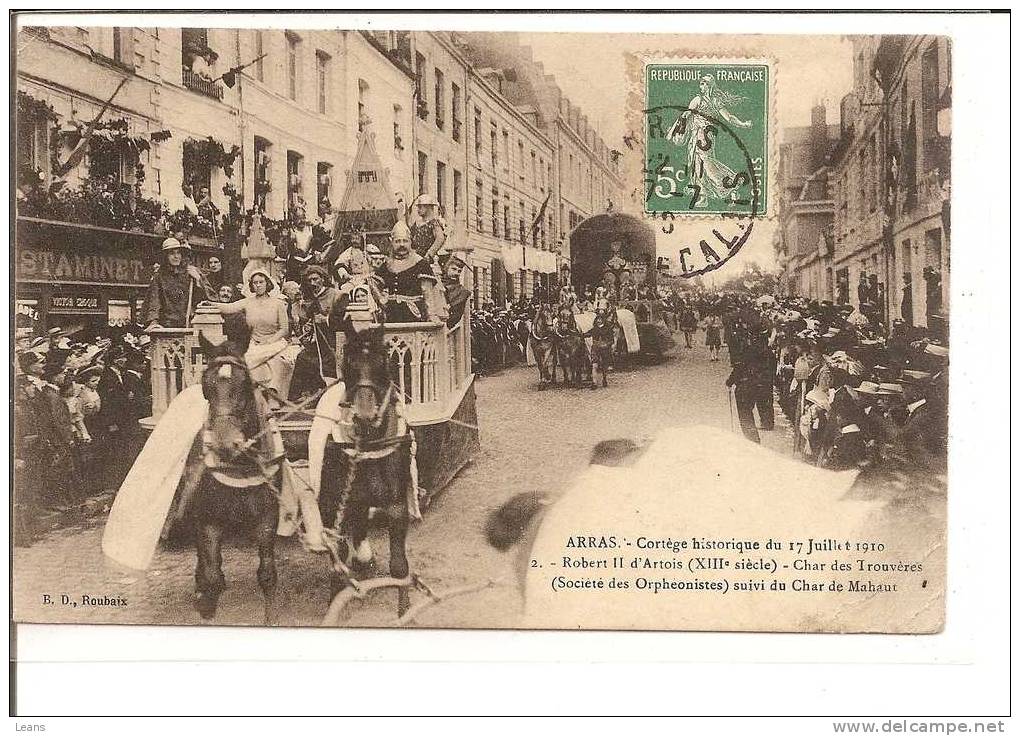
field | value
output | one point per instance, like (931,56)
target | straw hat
(174,244)
(819,398)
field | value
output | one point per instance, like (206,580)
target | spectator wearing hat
(172,299)
(88,378)
(116,418)
(428,231)
(28,453)
(751,380)
(56,436)
(924,427)
(713,335)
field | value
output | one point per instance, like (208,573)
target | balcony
(201,85)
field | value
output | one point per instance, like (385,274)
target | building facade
(803,241)
(127,134)
(888,177)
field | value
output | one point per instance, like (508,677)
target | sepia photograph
(340,327)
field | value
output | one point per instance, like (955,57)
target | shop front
(83,278)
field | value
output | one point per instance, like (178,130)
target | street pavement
(531,441)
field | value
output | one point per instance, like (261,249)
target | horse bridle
(237,363)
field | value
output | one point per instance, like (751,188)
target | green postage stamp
(707,135)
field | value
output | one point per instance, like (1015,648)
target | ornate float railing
(429,363)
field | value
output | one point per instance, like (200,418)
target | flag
(79,151)
(541,214)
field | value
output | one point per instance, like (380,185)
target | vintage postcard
(326,326)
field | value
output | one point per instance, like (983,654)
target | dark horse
(570,348)
(238,484)
(374,471)
(543,345)
(603,336)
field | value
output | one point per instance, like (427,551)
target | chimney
(819,137)
(818,116)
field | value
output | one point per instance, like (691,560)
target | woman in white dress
(268,357)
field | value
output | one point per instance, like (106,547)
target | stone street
(531,441)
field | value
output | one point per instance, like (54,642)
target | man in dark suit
(116,419)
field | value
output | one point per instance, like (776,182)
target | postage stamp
(707,138)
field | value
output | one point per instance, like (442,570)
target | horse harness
(236,475)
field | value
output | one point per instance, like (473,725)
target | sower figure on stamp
(705,170)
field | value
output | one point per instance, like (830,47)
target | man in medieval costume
(318,317)
(409,282)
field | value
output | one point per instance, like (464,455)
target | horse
(543,346)
(238,481)
(570,348)
(603,336)
(374,471)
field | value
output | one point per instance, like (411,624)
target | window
(875,178)
(440,101)
(506,151)
(419,86)
(478,206)
(262,171)
(478,134)
(398,138)
(495,212)
(292,65)
(506,220)
(843,286)
(118,44)
(534,230)
(423,167)
(324,188)
(194,48)
(520,159)
(260,46)
(862,177)
(474,286)
(363,118)
(492,143)
(456,112)
(929,107)
(522,233)
(33,149)
(295,165)
(534,171)
(457,184)
(441,184)
(322,79)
